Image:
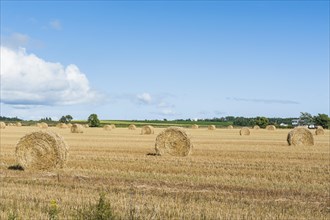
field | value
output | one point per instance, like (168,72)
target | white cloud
(15,40)
(55,24)
(27,80)
(144,98)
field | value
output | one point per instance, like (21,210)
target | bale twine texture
(300,136)
(244,131)
(173,141)
(77,128)
(41,150)
(148,129)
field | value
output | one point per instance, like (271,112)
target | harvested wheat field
(227,176)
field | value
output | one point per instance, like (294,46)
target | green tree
(63,119)
(262,122)
(322,119)
(68,118)
(93,121)
(305,118)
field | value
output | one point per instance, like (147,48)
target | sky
(136,60)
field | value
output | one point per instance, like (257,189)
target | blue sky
(164,59)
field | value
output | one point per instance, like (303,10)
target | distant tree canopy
(46,119)
(93,121)
(66,119)
(3,118)
(322,119)
(262,122)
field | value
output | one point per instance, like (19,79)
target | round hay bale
(86,126)
(62,125)
(173,141)
(319,131)
(230,127)
(10,124)
(244,131)
(41,150)
(319,126)
(2,125)
(211,127)
(77,128)
(148,129)
(256,127)
(300,136)
(131,127)
(69,125)
(19,124)
(113,126)
(194,126)
(270,128)
(43,125)
(107,127)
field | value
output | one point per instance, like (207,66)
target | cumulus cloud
(144,98)
(55,24)
(28,80)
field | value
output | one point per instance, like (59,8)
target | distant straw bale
(270,128)
(62,125)
(2,125)
(244,131)
(256,127)
(43,125)
(300,136)
(173,141)
(148,129)
(107,127)
(131,127)
(319,131)
(10,124)
(230,127)
(86,126)
(194,126)
(41,150)
(211,127)
(69,125)
(113,126)
(19,124)
(77,128)
(319,126)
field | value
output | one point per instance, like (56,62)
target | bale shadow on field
(152,154)
(16,167)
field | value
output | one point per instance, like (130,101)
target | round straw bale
(77,128)
(131,127)
(270,128)
(69,125)
(244,131)
(211,127)
(19,124)
(300,136)
(319,126)
(43,125)
(113,126)
(61,125)
(86,126)
(230,127)
(41,150)
(10,124)
(2,125)
(194,126)
(173,141)
(148,129)
(107,127)
(319,131)
(256,127)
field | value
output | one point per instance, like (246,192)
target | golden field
(228,176)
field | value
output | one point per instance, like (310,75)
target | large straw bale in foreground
(194,126)
(131,127)
(2,125)
(41,150)
(173,141)
(211,127)
(107,127)
(300,136)
(244,131)
(148,129)
(319,131)
(270,128)
(77,128)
